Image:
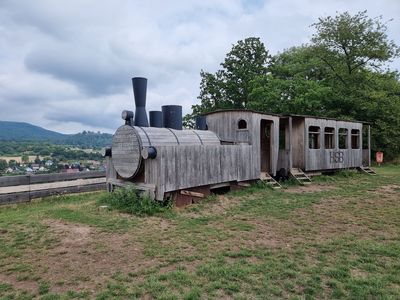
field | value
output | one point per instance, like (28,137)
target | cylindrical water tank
(201,123)
(172,116)
(156,119)
(128,143)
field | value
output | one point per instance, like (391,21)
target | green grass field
(339,238)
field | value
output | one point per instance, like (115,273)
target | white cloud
(66,65)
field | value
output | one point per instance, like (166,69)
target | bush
(130,201)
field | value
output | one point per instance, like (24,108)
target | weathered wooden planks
(126,148)
(180,167)
(335,158)
(225,125)
(152,136)
(42,178)
(49,185)
(15,189)
(28,195)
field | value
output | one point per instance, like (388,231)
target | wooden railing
(23,188)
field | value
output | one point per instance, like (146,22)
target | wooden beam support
(193,194)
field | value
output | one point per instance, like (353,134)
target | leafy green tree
(3,165)
(44,152)
(355,50)
(341,74)
(230,86)
(25,159)
(294,85)
(12,163)
(350,43)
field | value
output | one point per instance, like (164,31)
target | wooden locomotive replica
(228,149)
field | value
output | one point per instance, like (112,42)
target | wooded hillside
(20,131)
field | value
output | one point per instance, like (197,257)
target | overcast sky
(67,65)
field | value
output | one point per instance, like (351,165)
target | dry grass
(339,238)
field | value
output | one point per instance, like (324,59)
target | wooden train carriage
(247,127)
(184,159)
(313,143)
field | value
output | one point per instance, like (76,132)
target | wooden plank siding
(44,178)
(297,142)
(336,158)
(15,189)
(190,166)
(225,125)
(19,197)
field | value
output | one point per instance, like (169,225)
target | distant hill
(20,131)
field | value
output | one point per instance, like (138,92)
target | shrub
(130,201)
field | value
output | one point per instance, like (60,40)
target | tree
(25,159)
(347,44)
(340,74)
(230,87)
(3,165)
(355,50)
(12,163)
(295,84)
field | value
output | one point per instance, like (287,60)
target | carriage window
(343,138)
(242,124)
(355,139)
(313,137)
(329,137)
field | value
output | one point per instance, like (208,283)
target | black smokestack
(139,90)
(201,123)
(156,118)
(172,116)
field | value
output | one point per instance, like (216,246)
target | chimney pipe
(201,123)
(156,119)
(139,90)
(172,116)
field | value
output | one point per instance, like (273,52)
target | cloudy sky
(67,65)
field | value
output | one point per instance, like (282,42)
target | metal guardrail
(23,188)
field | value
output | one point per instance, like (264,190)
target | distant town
(42,165)
(29,149)
(28,164)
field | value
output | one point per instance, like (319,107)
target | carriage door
(265,145)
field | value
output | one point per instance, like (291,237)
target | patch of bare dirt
(387,189)
(328,219)
(220,206)
(83,258)
(265,235)
(336,217)
(357,273)
(223,204)
(26,285)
